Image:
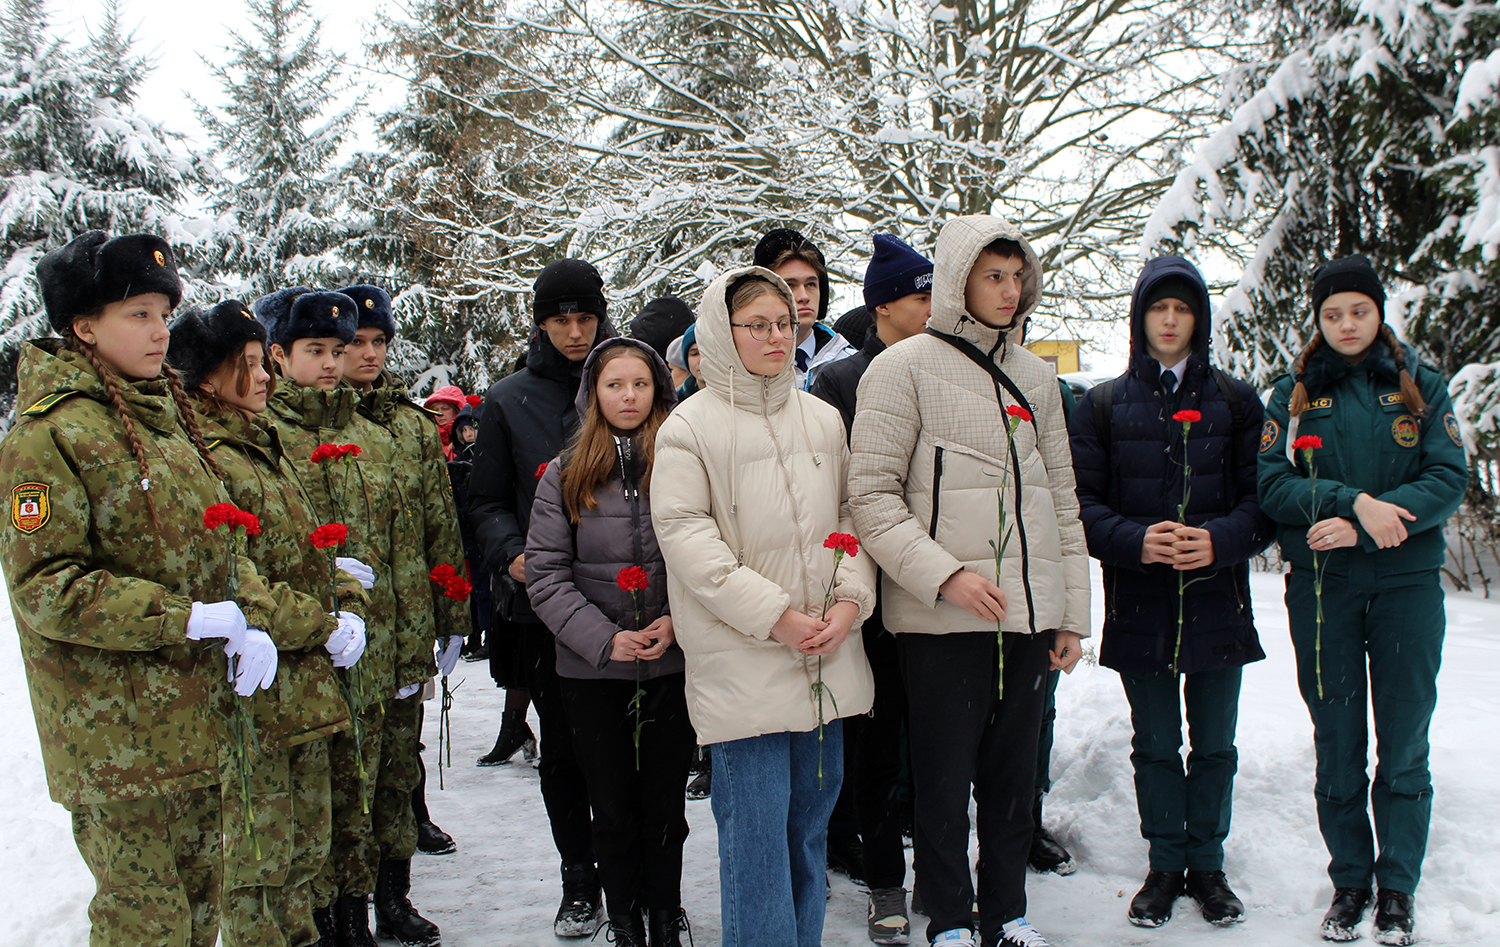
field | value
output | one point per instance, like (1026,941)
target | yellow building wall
(1062,355)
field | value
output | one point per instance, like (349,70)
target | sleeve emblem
(1268,435)
(30,506)
(1450,424)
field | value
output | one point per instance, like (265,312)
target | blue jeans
(773,834)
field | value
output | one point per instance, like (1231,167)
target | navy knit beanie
(1351,274)
(895,270)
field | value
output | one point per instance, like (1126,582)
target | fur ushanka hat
(203,338)
(300,313)
(93,270)
(374,306)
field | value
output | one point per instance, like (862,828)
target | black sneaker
(1215,899)
(581,912)
(701,785)
(1393,918)
(1348,909)
(1152,905)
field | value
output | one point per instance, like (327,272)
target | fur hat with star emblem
(95,269)
(374,308)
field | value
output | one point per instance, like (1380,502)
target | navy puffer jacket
(1132,477)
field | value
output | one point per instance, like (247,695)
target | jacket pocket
(937,490)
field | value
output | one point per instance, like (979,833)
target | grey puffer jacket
(572,572)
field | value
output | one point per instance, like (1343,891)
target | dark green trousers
(1380,652)
(1184,812)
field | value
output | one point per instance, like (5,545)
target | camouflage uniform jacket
(304,701)
(359,491)
(429,526)
(124,703)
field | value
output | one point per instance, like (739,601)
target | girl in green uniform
(116,586)
(1360,465)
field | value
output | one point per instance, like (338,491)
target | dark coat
(1132,477)
(526,419)
(838,382)
(572,571)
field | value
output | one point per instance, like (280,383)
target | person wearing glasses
(749,484)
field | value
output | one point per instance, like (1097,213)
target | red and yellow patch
(1268,435)
(1405,431)
(30,506)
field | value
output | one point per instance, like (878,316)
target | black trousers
(639,809)
(965,735)
(564,792)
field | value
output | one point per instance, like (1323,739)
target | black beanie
(1174,287)
(784,239)
(93,270)
(661,321)
(1351,274)
(374,308)
(203,338)
(566,286)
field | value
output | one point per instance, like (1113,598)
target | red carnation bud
(473,401)
(1307,442)
(844,542)
(1188,417)
(220,514)
(632,579)
(441,574)
(329,534)
(1015,411)
(457,588)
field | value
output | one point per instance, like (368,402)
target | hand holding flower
(838,624)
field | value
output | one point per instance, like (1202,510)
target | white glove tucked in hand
(448,657)
(347,643)
(407,691)
(216,620)
(359,570)
(257,664)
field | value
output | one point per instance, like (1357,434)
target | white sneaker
(958,937)
(1020,933)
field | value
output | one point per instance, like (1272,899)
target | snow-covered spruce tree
(75,155)
(280,211)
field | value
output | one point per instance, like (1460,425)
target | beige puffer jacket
(749,481)
(929,443)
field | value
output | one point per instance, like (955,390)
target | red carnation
(1015,411)
(632,579)
(846,543)
(457,588)
(250,521)
(220,514)
(441,574)
(1307,442)
(1188,417)
(540,469)
(329,534)
(473,401)
(334,452)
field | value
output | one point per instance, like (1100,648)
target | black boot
(1348,909)
(664,925)
(1214,897)
(1394,922)
(1047,853)
(395,918)
(351,921)
(432,840)
(627,930)
(515,734)
(1152,905)
(580,913)
(323,918)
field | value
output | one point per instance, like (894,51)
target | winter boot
(702,769)
(323,920)
(515,734)
(1343,917)
(581,911)
(395,918)
(664,925)
(1394,922)
(351,921)
(1152,905)
(432,840)
(1047,853)
(1215,899)
(627,930)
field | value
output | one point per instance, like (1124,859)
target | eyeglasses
(761,331)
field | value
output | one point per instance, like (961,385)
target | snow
(1478,86)
(501,886)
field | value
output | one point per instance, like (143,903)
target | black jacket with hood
(1131,477)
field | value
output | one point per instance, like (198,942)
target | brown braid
(1299,401)
(190,420)
(1410,393)
(127,417)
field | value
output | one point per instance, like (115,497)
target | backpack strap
(1002,380)
(1231,393)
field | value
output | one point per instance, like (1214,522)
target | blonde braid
(1300,399)
(190,420)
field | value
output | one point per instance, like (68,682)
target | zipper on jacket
(1015,462)
(937,486)
(786,474)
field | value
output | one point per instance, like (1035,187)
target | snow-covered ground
(501,888)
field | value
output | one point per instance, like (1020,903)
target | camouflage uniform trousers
(156,863)
(268,899)
(395,823)
(353,854)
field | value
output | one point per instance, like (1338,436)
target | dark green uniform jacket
(124,704)
(1372,443)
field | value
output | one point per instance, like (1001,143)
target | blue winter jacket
(1132,477)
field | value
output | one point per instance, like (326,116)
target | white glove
(216,620)
(359,570)
(257,664)
(347,643)
(407,691)
(448,657)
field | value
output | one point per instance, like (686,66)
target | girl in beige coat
(749,483)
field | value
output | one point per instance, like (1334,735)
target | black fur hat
(203,338)
(93,270)
(374,306)
(273,309)
(304,314)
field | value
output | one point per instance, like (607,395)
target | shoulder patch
(1405,431)
(1450,424)
(1394,397)
(1268,435)
(47,404)
(1320,403)
(30,506)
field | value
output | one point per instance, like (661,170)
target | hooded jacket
(749,482)
(527,418)
(1131,477)
(930,455)
(124,703)
(572,571)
